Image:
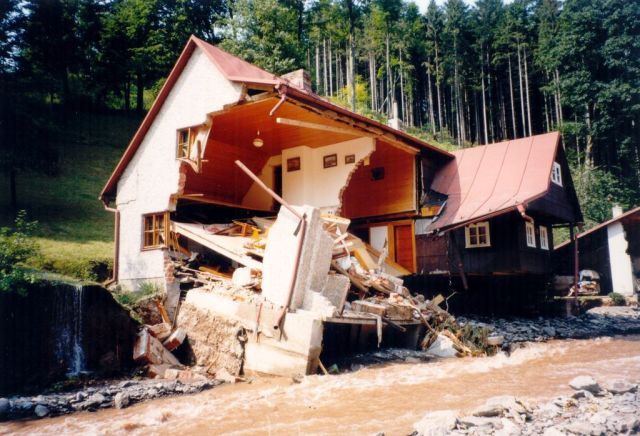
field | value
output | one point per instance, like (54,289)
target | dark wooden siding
(593,254)
(508,253)
(559,203)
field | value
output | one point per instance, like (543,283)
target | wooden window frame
(156,231)
(556,173)
(530,234)
(179,145)
(469,237)
(544,238)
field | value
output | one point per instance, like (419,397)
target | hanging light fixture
(257,141)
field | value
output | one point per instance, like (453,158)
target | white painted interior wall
(378,237)
(152,175)
(619,260)
(315,185)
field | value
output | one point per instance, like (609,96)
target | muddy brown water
(388,398)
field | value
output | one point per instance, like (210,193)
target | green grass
(75,232)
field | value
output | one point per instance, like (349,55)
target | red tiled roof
(492,179)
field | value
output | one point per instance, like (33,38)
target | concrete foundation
(292,350)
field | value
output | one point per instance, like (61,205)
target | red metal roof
(238,70)
(492,179)
(628,215)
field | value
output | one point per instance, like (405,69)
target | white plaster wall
(378,237)
(152,175)
(620,262)
(315,185)
(256,197)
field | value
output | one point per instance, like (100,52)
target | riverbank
(593,409)
(387,398)
(596,322)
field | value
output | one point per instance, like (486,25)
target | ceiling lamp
(257,141)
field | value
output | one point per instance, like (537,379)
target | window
(155,230)
(531,234)
(556,174)
(185,140)
(544,238)
(477,235)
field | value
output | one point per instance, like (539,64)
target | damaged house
(259,208)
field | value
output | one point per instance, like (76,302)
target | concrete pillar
(619,259)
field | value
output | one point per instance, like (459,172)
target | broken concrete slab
(148,349)
(309,269)
(175,339)
(442,347)
(336,288)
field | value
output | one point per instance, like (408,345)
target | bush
(16,248)
(617,299)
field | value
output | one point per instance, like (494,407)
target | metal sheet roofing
(632,215)
(488,180)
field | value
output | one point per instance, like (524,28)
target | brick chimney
(300,79)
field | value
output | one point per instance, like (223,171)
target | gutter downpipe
(300,231)
(116,238)
(282,90)
(523,212)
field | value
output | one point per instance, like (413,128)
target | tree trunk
(484,105)
(13,191)
(330,69)
(513,110)
(526,82)
(127,95)
(325,85)
(352,67)
(402,99)
(140,93)
(560,118)
(522,112)
(318,67)
(388,69)
(430,96)
(588,152)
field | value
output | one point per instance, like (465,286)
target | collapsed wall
(214,341)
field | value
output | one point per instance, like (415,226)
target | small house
(611,248)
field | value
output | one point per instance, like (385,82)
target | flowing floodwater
(388,398)
(69,347)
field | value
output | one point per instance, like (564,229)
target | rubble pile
(591,410)
(599,321)
(119,395)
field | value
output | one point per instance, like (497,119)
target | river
(385,398)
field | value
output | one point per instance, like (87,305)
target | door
(404,246)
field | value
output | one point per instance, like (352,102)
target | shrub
(617,299)
(17,247)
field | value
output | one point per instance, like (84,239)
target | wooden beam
(324,127)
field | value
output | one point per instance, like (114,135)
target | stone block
(175,339)
(148,349)
(160,331)
(336,289)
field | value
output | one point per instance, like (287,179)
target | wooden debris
(368,307)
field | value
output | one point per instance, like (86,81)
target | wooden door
(403,246)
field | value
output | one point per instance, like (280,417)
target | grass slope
(75,231)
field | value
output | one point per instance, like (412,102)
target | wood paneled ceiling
(239,125)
